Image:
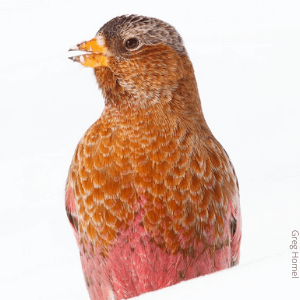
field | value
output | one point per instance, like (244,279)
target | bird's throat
(162,103)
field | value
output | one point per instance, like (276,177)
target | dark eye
(132,43)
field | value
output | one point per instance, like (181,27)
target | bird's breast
(133,173)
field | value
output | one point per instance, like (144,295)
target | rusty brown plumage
(151,162)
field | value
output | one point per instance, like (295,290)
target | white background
(246,59)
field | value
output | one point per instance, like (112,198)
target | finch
(151,195)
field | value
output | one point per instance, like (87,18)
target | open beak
(95,57)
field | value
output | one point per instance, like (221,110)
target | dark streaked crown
(148,30)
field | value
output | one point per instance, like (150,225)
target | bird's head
(137,58)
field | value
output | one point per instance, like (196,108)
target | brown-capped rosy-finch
(151,194)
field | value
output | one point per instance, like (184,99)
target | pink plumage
(151,194)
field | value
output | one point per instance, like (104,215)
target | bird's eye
(132,43)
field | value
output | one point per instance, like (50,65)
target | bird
(151,195)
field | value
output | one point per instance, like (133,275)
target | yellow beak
(96,49)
